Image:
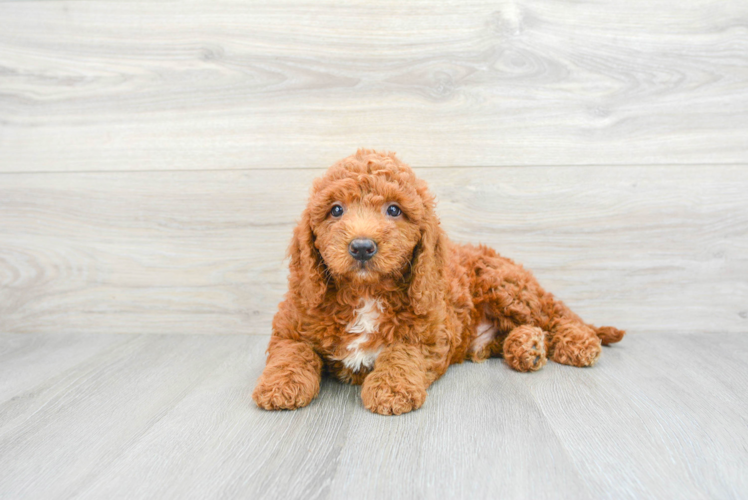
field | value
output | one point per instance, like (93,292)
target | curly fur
(395,324)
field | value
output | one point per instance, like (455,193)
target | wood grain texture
(668,405)
(50,354)
(242,84)
(73,425)
(660,416)
(642,248)
(481,433)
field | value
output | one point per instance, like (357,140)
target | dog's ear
(430,258)
(307,269)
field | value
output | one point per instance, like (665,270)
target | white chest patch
(365,322)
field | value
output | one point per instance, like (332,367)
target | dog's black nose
(362,249)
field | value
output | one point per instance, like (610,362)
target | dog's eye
(394,211)
(336,211)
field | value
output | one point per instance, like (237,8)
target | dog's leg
(398,382)
(573,342)
(513,299)
(291,377)
(524,348)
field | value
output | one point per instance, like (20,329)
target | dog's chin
(367,273)
(363,273)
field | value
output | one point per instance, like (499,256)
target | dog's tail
(609,335)
(560,313)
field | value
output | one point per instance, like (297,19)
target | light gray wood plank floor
(157,416)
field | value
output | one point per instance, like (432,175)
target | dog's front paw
(382,395)
(278,390)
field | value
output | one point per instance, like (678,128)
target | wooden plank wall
(155,155)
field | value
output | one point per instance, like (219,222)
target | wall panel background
(154,156)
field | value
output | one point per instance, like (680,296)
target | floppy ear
(307,270)
(427,276)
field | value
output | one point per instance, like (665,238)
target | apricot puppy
(379,296)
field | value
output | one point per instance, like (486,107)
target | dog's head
(368,219)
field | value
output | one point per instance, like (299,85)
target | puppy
(379,296)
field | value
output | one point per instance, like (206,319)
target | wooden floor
(152,416)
